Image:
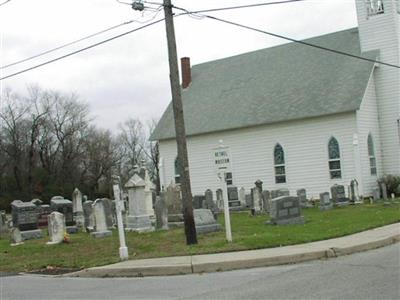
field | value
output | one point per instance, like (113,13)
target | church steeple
(379,29)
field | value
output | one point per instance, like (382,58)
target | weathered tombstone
(257,197)
(89,221)
(15,237)
(209,201)
(302,194)
(174,205)
(198,201)
(339,195)
(161,212)
(138,219)
(148,194)
(77,208)
(266,198)
(57,228)
(220,199)
(325,202)
(100,228)
(384,190)
(25,217)
(242,197)
(109,213)
(44,211)
(3,223)
(204,221)
(233,197)
(376,193)
(249,200)
(286,210)
(354,193)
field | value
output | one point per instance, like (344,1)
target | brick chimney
(186,72)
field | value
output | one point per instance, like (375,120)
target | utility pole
(190,229)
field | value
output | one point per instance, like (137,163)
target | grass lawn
(248,233)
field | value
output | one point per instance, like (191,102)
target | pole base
(123,253)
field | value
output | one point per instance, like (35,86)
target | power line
(1,4)
(290,39)
(82,49)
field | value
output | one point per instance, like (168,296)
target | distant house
(295,116)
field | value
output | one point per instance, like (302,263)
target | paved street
(369,275)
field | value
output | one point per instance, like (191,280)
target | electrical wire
(288,38)
(5,2)
(82,49)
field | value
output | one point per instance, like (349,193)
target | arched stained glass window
(371,155)
(177,171)
(279,161)
(334,159)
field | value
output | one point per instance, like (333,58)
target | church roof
(282,83)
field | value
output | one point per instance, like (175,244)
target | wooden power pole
(190,229)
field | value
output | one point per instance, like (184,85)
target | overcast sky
(129,77)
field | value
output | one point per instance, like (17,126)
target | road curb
(346,245)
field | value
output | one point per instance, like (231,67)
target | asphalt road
(369,275)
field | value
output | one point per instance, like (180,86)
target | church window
(371,155)
(374,7)
(177,171)
(279,162)
(335,170)
(229,179)
(398,6)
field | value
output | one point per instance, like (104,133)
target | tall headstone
(205,221)
(257,197)
(338,193)
(148,191)
(242,197)
(209,202)
(325,202)
(77,208)
(15,237)
(3,223)
(354,192)
(174,205)
(376,194)
(138,218)
(384,190)
(302,194)
(249,200)
(56,228)
(266,198)
(161,212)
(89,221)
(233,197)
(286,210)
(109,213)
(25,217)
(100,228)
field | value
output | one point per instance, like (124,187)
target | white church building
(294,116)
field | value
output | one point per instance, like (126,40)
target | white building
(296,116)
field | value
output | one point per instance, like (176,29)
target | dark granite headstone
(286,210)
(325,202)
(107,203)
(338,193)
(198,201)
(25,215)
(63,206)
(233,196)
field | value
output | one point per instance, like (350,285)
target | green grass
(248,233)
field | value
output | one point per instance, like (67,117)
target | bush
(392,183)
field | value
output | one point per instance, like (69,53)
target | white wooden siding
(367,122)
(306,155)
(383,32)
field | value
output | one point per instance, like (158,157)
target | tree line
(49,145)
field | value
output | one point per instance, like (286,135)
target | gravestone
(266,198)
(383,190)
(198,201)
(257,196)
(220,199)
(100,228)
(138,219)
(249,200)
(279,193)
(338,193)
(242,197)
(109,213)
(149,188)
(25,217)
(77,208)
(354,192)
(3,223)
(44,211)
(302,194)
(209,203)
(161,212)
(15,237)
(286,210)
(63,206)
(174,205)
(56,228)
(325,202)
(376,193)
(233,197)
(204,221)
(89,221)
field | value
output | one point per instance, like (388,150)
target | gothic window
(279,162)
(374,7)
(334,159)
(177,171)
(371,155)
